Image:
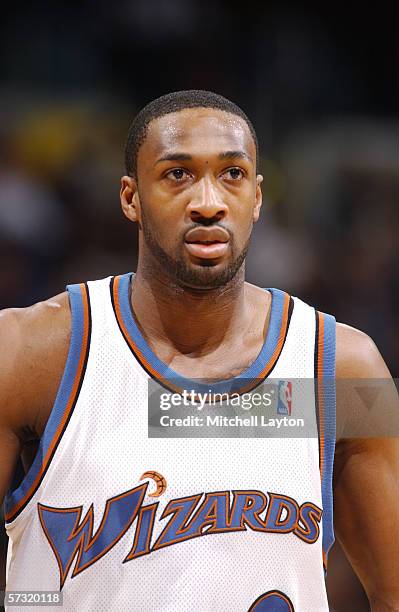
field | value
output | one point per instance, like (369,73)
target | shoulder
(365,392)
(34,347)
(47,311)
(357,355)
(26,331)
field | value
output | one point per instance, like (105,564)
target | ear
(130,200)
(258,198)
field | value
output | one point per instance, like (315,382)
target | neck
(192,321)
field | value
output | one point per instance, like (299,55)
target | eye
(177,175)
(234,174)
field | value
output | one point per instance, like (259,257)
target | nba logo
(284,404)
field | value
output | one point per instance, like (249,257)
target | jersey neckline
(261,367)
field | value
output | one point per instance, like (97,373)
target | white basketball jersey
(119,520)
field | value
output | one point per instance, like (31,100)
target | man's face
(196,197)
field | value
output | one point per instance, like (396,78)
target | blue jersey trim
(329,399)
(16,500)
(253,372)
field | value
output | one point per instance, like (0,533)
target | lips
(207,234)
(207,242)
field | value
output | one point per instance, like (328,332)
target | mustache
(208,223)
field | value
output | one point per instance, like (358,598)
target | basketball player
(117,520)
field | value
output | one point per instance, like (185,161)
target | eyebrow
(186,157)
(174,157)
(235,154)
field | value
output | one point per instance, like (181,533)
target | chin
(205,276)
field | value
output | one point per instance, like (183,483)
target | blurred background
(322,89)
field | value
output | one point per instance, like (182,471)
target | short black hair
(172,103)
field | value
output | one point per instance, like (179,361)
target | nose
(206,204)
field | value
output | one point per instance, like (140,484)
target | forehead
(198,129)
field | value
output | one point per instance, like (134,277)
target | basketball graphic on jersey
(159,480)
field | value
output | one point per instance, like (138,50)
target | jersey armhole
(324,365)
(68,392)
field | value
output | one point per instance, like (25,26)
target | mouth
(207,242)
(207,250)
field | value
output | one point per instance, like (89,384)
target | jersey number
(272,601)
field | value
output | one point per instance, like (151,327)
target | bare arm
(33,348)
(366,475)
